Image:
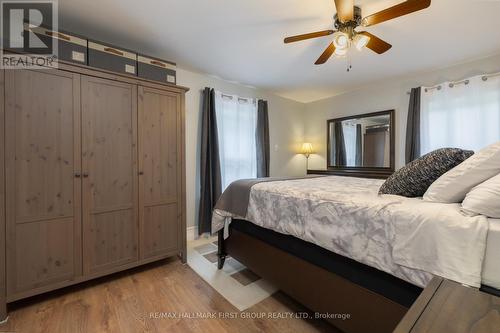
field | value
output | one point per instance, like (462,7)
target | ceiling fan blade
(345,10)
(308,36)
(376,44)
(403,8)
(326,54)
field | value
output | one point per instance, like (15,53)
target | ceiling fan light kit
(360,41)
(340,53)
(341,40)
(348,18)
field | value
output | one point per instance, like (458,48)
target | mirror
(362,141)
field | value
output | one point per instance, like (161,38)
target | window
(350,142)
(236,125)
(461,115)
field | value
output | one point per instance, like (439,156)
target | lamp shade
(306,149)
(341,40)
(340,53)
(360,41)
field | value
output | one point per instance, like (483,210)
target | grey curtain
(412,150)
(262,139)
(210,172)
(359,146)
(340,154)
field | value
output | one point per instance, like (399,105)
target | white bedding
(408,238)
(491,265)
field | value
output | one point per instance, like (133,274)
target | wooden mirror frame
(369,172)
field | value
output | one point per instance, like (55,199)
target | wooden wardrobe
(92,176)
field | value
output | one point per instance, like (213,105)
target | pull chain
(349,64)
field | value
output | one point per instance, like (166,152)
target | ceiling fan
(348,18)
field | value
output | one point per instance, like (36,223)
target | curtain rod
(485,77)
(239,98)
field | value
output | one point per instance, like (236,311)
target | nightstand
(445,306)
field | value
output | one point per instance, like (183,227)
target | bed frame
(341,286)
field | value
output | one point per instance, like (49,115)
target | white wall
(292,123)
(286,129)
(379,96)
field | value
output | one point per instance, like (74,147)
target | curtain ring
(484,78)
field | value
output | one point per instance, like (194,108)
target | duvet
(406,237)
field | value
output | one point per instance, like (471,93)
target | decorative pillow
(484,199)
(456,183)
(413,179)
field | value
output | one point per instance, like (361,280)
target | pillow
(484,199)
(456,183)
(413,179)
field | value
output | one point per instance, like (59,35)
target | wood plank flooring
(136,300)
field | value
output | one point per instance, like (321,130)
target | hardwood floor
(134,301)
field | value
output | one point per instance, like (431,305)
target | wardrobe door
(159,180)
(42,155)
(109,154)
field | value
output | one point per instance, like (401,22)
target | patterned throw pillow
(415,178)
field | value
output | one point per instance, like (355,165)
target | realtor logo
(25,42)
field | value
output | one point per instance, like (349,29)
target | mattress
(491,264)
(490,274)
(365,276)
(405,237)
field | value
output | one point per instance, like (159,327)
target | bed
(335,245)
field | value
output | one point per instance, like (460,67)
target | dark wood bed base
(316,288)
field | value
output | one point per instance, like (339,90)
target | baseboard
(192,233)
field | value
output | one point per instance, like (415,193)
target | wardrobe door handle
(157,63)
(85,175)
(78,175)
(57,35)
(114,51)
(141,173)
